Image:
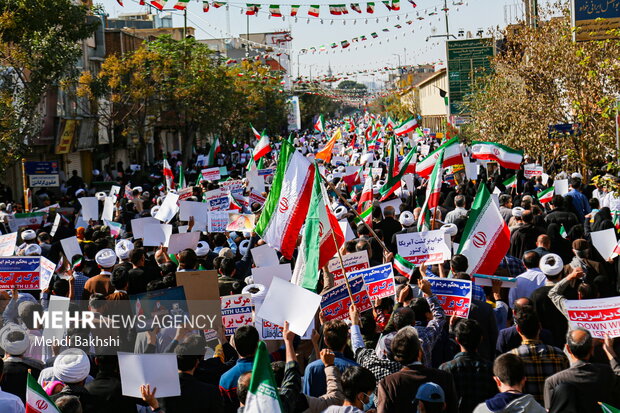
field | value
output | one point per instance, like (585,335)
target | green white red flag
(320,124)
(407,126)
(451,151)
(168,175)
(321,238)
(392,183)
(433,192)
(403,267)
(510,182)
(366,197)
(159,4)
(37,401)
(486,237)
(288,201)
(546,195)
(213,151)
(263,393)
(262,147)
(491,151)
(255,132)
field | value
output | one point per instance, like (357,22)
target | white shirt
(527,283)
(10,403)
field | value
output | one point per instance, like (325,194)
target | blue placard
(10,264)
(596,9)
(450,286)
(41,168)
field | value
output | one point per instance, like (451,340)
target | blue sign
(43,168)
(596,19)
(379,281)
(20,271)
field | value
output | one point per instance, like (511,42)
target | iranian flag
(37,401)
(355,7)
(182,182)
(294,10)
(451,151)
(252,9)
(213,151)
(390,123)
(314,12)
(263,393)
(433,192)
(546,195)
(159,4)
(255,132)
(354,179)
(168,175)
(394,182)
(403,267)
(181,4)
(365,216)
(326,153)
(407,126)
(563,232)
(288,201)
(607,408)
(486,235)
(320,123)
(262,148)
(274,10)
(370,7)
(510,182)
(366,196)
(318,245)
(491,151)
(205,5)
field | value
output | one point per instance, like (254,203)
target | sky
(408,45)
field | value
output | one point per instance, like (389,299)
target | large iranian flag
(287,205)
(486,235)
(433,193)
(407,126)
(451,151)
(321,238)
(37,401)
(491,151)
(263,396)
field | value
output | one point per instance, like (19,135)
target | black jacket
(196,397)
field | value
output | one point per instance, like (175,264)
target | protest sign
(217,200)
(352,262)
(108,208)
(601,316)
(202,293)
(58,307)
(168,208)
(561,186)
(427,247)
(240,222)
(198,210)
(55,225)
(185,193)
(453,295)
(264,275)
(46,271)
(137,226)
(258,198)
(157,370)
(180,242)
(236,312)
(532,170)
(114,191)
(604,241)
(20,271)
(211,174)
(264,256)
(218,221)
(394,203)
(32,220)
(7,244)
(270,331)
(265,172)
(487,280)
(255,181)
(157,234)
(90,208)
(289,302)
(234,186)
(379,281)
(70,247)
(156,306)
(335,302)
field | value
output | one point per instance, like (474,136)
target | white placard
(530,170)
(423,247)
(90,208)
(157,370)
(70,247)
(289,302)
(7,244)
(346,230)
(599,316)
(55,225)
(115,190)
(157,234)
(182,241)
(604,241)
(57,305)
(561,186)
(168,208)
(264,256)
(393,203)
(264,275)
(108,208)
(198,210)
(137,226)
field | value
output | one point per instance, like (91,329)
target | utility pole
(185,23)
(531,13)
(445,12)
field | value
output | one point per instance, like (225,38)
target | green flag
(263,392)
(608,409)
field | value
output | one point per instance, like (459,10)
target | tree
(39,45)
(541,78)
(312,105)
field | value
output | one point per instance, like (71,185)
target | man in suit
(596,382)
(396,392)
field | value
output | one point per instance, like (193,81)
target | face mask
(371,402)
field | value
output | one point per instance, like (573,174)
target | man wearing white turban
(71,367)
(14,340)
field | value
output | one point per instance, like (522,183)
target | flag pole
(344,272)
(343,199)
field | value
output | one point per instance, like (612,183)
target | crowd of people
(516,351)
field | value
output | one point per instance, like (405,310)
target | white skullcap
(406,218)
(202,249)
(380,182)
(79,191)
(450,229)
(551,264)
(71,366)
(262,290)
(137,188)
(340,169)
(100,196)
(106,258)
(14,348)
(340,212)
(28,235)
(146,194)
(330,177)
(32,249)
(243,246)
(123,248)
(154,210)
(517,212)
(576,175)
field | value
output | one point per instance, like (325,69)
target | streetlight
(395,54)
